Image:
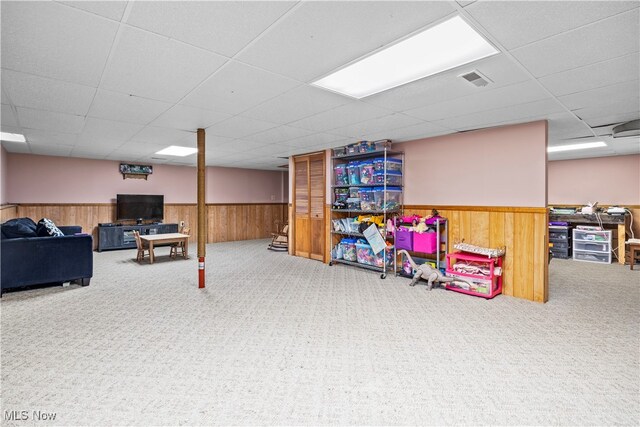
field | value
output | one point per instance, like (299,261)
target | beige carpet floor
(275,339)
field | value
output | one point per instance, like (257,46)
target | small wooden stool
(633,248)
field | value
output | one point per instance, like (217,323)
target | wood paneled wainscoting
(522,230)
(225,222)
(8,212)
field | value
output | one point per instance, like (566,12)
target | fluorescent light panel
(176,150)
(12,137)
(570,147)
(442,47)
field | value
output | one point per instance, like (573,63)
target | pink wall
(3,176)
(503,166)
(44,179)
(607,180)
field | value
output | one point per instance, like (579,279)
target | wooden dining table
(163,239)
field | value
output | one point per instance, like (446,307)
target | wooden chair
(142,248)
(280,239)
(175,246)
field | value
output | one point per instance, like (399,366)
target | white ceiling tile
(157,135)
(605,109)
(311,140)
(126,108)
(93,152)
(501,70)
(236,87)
(8,117)
(535,110)
(318,37)
(593,76)
(47,120)
(156,67)
(97,131)
(220,26)
(364,129)
(239,127)
(604,95)
(5,98)
(189,118)
(53,40)
(279,134)
(51,150)
(409,133)
(246,147)
(109,9)
(347,114)
(602,117)
(296,104)
(603,40)
(139,148)
(565,126)
(40,93)
(16,147)
(43,138)
(519,93)
(516,23)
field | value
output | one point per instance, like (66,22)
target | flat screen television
(140,207)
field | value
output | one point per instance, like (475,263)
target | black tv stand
(121,236)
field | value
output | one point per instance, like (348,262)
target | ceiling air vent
(476,78)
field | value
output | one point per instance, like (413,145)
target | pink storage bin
(425,242)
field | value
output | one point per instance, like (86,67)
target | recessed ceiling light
(12,137)
(442,47)
(176,150)
(581,146)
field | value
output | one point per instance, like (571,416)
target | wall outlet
(181,223)
(273,197)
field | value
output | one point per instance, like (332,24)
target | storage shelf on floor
(485,286)
(369,175)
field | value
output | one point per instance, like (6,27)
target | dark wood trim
(515,209)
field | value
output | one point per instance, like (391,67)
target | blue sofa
(27,261)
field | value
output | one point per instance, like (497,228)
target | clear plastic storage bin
(354,192)
(366,172)
(342,177)
(342,194)
(349,249)
(394,196)
(367,199)
(353,168)
(353,203)
(366,256)
(393,177)
(393,164)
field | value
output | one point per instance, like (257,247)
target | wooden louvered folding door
(309,190)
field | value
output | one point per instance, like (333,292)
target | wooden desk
(620,221)
(164,239)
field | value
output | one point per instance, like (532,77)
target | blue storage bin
(393,164)
(393,177)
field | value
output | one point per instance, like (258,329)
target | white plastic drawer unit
(592,236)
(592,246)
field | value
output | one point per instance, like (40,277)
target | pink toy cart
(485,286)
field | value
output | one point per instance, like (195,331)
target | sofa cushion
(19,227)
(46,227)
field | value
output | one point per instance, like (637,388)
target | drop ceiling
(123,80)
